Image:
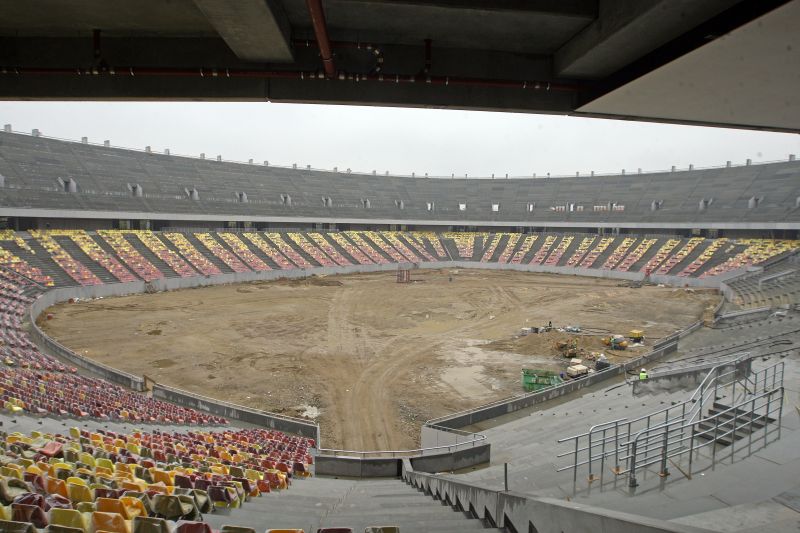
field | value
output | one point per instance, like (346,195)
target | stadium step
(145,252)
(79,255)
(219,263)
(41,260)
(327,502)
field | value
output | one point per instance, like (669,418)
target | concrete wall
(520,512)
(685,378)
(370,467)
(510,405)
(236,412)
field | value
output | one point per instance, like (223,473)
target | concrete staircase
(746,424)
(325,502)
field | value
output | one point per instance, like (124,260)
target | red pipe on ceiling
(291,74)
(321,31)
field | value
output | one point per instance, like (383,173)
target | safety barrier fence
(681,428)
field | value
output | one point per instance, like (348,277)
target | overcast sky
(400,140)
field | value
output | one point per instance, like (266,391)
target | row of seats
(559,251)
(434,241)
(364,246)
(130,256)
(36,383)
(104,177)
(288,251)
(661,254)
(525,247)
(544,250)
(393,240)
(261,244)
(168,256)
(109,523)
(159,481)
(12,261)
(618,254)
(352,250)
(757,251)
(187,250)
(316,254)
(244,253)
(96,253)
(597,251)
(213,246)
(419,248)
(511,245)
(328,248)
(75,269)
(696,256)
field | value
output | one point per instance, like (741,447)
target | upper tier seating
(116,180)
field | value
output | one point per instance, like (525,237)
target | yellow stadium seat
(69,518)
(79,493)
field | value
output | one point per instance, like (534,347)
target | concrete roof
(484,54)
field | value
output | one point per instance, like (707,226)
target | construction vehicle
(577,371)
(636,335)
(567,348)
(615,342)
(535,380)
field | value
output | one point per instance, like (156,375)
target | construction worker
(643,374)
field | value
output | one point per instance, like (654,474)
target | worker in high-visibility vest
(643,374)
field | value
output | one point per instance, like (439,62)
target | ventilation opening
(655,205)
(495,208)
(365,203)
(68,185)
(400,204)
(136,190)
(754,201)
(327,202)
(508,524)
(430,205)
(705,203)
(286,200)
(462,206)
(241,197)
(192,193)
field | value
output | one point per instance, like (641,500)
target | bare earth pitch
(370,358)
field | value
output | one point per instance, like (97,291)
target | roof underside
(725,62)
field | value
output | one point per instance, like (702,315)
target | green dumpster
(534,380)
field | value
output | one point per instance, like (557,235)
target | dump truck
(636,335)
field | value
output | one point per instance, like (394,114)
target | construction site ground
(366,357)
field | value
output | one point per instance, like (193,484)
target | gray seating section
(776,285)
(32,167)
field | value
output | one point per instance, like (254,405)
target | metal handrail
(663,432)
(684,414)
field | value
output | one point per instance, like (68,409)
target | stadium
(192,344)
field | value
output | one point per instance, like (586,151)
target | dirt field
(368,358)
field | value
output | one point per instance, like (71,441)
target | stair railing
(657,433)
